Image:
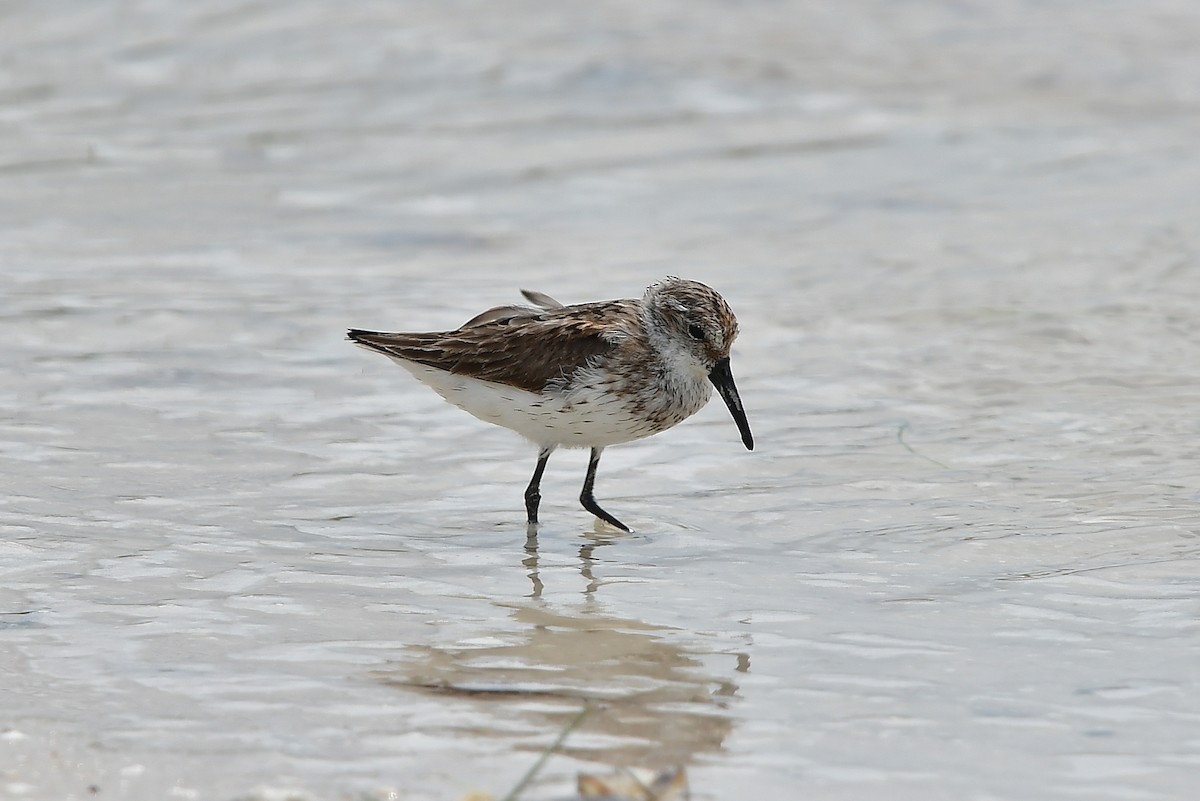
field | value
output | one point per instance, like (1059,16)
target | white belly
(590,418)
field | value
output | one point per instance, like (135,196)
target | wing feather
(520,349)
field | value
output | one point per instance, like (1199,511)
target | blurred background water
(241,558)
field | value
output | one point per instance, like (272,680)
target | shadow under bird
(583,376)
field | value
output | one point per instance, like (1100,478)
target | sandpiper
(583,376)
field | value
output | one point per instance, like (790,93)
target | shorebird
(583,376)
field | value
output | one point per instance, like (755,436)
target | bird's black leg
(532,495)
(586,498)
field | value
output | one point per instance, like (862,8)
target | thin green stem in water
(900,438)
(554,746)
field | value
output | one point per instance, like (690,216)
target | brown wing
(521,350)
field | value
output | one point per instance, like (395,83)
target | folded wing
(518,348)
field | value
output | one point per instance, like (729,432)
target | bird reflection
(586,560)
(653,701)
(531,563)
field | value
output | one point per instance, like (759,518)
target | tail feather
(407,346)
(365,338)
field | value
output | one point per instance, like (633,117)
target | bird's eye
(696,332)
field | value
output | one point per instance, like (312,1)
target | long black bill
(722,378)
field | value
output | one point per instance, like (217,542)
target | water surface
(241,557)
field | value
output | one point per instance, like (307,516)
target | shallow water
(240,556)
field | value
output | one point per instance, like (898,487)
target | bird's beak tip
(722,379)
